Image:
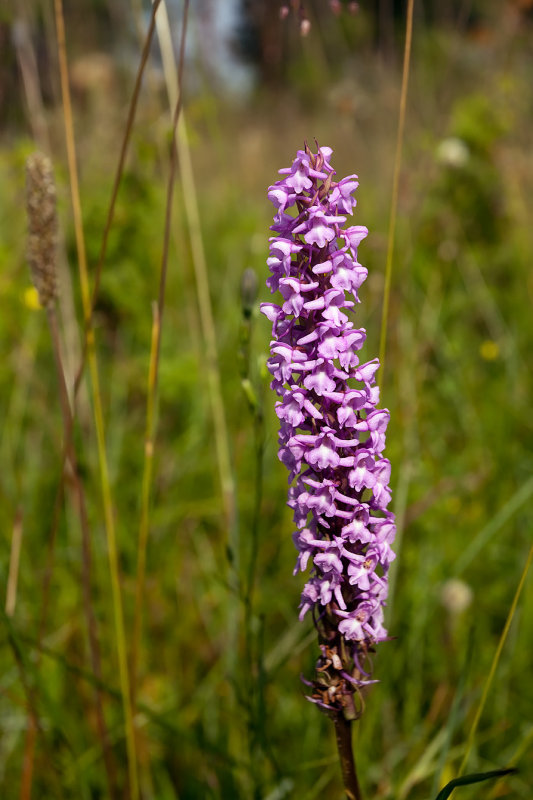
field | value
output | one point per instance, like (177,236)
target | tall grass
(217,697)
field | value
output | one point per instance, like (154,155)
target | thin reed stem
(343,734)
(495,662)
(207,323)
(252,654)
(213,383)
(31,729)
(145,502)
(29,757)
(153,374)
(14,563)
(395,190)
(259,440)
(97,405)
(86,557)
(116,184)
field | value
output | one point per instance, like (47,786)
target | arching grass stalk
(495,662)
(153,372)
(332,435)
(395,187)
(107,499)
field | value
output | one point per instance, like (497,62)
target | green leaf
(476,777)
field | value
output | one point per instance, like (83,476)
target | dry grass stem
(395,190)
(14,561)
(116,183)
(153,374)
(109,513)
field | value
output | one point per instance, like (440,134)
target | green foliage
(467,780)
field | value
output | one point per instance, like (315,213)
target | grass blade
(395,189)
(466,780)
(495,660)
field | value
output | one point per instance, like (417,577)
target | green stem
(395,189)
(107,499)
(343,733)
(86,555)
(153,374)
(495,662)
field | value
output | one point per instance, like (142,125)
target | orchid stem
(343,734)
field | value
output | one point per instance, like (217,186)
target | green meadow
(149,636)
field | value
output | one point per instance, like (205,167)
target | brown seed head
(42,226)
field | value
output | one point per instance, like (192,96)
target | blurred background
(219,706)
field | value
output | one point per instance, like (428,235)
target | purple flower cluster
(331,435)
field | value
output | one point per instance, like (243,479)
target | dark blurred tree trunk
(260,37)
(385,29)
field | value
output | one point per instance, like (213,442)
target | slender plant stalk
(28,63)
(98,412)
(343,726)
(42,258)
(31,730)
(395,189)
(252,655)
(211,363)
(216,400)
(259,439)
(86,559)
(343,734)
(494,665)
(29,757)
(202,287)
(116,183)
(14,562)
(151,401)
(145,502)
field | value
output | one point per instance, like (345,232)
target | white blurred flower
(453,152)
(305,27)
(456,596)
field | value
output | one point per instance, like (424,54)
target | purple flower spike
(331,434)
